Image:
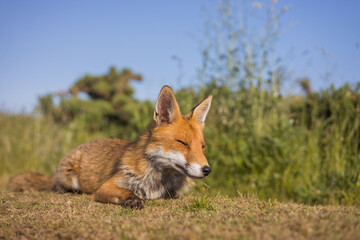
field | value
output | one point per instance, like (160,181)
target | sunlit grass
(39,215)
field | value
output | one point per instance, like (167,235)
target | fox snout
(195,170)
(206,170)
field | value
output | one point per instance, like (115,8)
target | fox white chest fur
(162,180)
(156,183)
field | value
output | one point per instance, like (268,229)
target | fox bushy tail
(31,182)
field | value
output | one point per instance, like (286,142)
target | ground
(44,215)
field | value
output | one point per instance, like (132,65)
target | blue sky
(45,46)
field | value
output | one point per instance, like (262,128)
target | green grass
(36,215)
(202,202)
(304,148)
(30,143)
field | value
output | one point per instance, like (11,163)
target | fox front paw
(134,203)
(172,195)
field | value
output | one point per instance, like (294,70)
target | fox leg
(109,192)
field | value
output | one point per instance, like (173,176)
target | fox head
(177,141)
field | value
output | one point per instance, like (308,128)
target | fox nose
(206,170)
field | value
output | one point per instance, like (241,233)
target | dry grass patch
(34,215)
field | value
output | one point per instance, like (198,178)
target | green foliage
(202,202)
(31,143)
(277,152)
(109,106)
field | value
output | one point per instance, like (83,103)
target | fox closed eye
(183,143)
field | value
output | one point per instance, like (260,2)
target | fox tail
(31,182)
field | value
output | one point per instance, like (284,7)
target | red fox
(157,165)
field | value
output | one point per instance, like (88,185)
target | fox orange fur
(157,165)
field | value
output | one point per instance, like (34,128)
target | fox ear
(166,109)
(200,112)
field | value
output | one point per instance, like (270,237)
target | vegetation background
(303,147)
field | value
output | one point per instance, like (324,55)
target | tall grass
(34,143)
(304,148)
